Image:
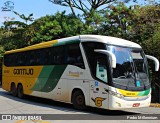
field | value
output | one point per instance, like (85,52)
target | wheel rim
(80,100)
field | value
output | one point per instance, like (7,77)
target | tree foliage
(118,21)
(55,26)
(86,6)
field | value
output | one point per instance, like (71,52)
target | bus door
(99,87)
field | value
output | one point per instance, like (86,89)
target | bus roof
(109,40)
(80,38)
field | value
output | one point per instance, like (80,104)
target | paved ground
(32,105)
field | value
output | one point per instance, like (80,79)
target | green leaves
(55,26)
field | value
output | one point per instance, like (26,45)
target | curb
(157,105)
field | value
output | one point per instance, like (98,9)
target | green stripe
(144,93)
(49,78)
(54,78)
(43,76)
(147,92)
(66,42)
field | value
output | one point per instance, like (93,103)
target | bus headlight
(116,94)
(119,95)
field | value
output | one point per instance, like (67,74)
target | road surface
(39,106)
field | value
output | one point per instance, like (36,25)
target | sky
(39,8)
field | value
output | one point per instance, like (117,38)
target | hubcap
(80,100)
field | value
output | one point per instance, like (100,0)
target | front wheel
(78,100)
(20,91)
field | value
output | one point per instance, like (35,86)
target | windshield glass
(139,61)
(131,70)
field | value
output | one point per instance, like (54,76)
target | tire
(20,93)
(78,100)
(13,89)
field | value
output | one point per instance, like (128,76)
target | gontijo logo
(22,71)
(98,101)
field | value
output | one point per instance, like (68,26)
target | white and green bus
(86,70)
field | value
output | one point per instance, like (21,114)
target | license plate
(136,104)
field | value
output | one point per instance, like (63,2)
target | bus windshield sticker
(138,84)
(96,83)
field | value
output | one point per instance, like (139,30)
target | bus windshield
(131,70)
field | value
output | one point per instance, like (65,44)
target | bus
(86,70)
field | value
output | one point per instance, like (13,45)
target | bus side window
(74,56)
(89,48)
(58,56)
(20,59)
(101,70)
(27,58)
(32,58)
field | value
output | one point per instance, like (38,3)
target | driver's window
(101,70)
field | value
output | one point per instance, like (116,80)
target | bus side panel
(50,83)
(26,75)
(71,78)
(99,95)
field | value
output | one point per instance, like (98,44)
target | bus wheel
(20,91)
(78,100)
(13,89)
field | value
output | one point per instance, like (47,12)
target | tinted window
(60,55)
(46,56)
(74,56)
(89,48)
(101,69)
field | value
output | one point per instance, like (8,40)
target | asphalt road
(66,113)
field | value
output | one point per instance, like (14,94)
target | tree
(118,21)
(12,35)
(22,16)
(52,27)
(146,31)
(92,10)
(12,25)
(47,27)
(70,24)
(145,22)
(86,6)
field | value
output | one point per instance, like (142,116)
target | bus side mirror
(110,54)
(155,61)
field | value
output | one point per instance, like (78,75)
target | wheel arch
(19,83)
(12,83)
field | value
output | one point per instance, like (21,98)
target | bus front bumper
(116,103)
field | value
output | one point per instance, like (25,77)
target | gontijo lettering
(23,71)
